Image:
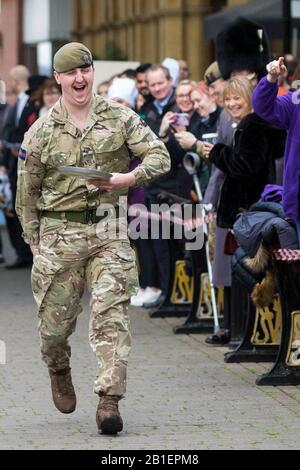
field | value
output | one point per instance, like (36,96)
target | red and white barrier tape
(189,224)
(286,254)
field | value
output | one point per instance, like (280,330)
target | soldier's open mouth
(79,88)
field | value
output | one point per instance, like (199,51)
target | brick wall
(10,35)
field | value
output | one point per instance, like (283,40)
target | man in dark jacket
(4,111)
(160,85)
(20,118)
(161,88)
(141,84)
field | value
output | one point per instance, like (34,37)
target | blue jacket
(265,221)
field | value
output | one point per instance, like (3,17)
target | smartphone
(181,119)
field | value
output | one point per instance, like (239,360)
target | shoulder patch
(22,154)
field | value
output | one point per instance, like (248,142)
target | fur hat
(242,45)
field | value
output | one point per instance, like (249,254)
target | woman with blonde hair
(248,164)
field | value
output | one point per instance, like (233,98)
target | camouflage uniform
(71,252)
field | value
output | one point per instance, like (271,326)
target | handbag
(230,244)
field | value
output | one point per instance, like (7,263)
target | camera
(210,138)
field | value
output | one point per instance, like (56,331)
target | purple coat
(136,193)
(283,113)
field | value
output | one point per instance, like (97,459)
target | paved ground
(181,395)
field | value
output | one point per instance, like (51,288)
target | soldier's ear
(56,76)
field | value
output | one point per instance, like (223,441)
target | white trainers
(137,300)
(143,296)
(151,295)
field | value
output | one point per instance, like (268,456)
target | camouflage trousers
(71,253)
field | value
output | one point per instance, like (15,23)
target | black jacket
(4,114)
(198,127)
(248,166)
(15,134)
(152,117)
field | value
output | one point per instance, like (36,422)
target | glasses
(183,96)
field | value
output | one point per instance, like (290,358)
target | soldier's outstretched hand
(117,181)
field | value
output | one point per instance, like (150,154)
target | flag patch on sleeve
(22,154)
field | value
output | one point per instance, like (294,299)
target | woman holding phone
(179,121)
(182,136)
(207,112)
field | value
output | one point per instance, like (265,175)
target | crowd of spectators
(234,168)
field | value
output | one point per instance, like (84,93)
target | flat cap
(212,73)
(71,56)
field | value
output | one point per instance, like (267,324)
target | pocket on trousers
(127,254)
(42,275)
(51,230)
(126,265)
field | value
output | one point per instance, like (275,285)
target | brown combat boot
(63,392)
(108,417)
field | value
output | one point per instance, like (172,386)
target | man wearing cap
(215,83)
(69,233)
(222,262)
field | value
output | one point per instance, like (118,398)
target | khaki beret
(71,56)
(212,73)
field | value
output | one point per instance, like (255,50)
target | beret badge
(87,59)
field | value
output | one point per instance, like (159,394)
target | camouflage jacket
(113,134)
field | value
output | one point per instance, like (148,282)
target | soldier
(70,237)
